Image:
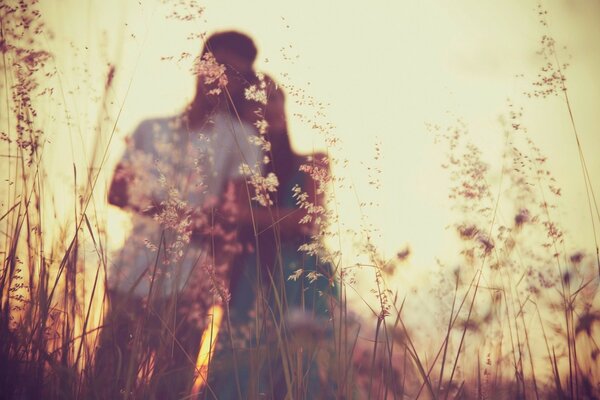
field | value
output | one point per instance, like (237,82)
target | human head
(237,52)
(232,43)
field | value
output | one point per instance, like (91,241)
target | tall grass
(518,319)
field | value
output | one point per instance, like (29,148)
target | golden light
(207,348)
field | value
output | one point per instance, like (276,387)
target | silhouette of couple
(220,204)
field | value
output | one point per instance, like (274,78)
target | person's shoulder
(158,124)
(225,120)
(153,128)
(220,119)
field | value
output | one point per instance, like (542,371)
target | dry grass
(519,319)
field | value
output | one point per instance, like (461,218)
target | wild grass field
(517,317)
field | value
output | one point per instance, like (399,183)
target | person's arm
(289,220)
(262,218)
(118,192)
(124,175)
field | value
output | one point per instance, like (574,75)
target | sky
(377,72)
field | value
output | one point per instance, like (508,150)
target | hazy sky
(382,69)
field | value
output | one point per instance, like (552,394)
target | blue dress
(279,318)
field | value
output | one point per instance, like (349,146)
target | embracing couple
(220,206)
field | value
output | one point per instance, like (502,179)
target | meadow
(514,315)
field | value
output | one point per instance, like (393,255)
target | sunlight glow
(444,150)
(207,348)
